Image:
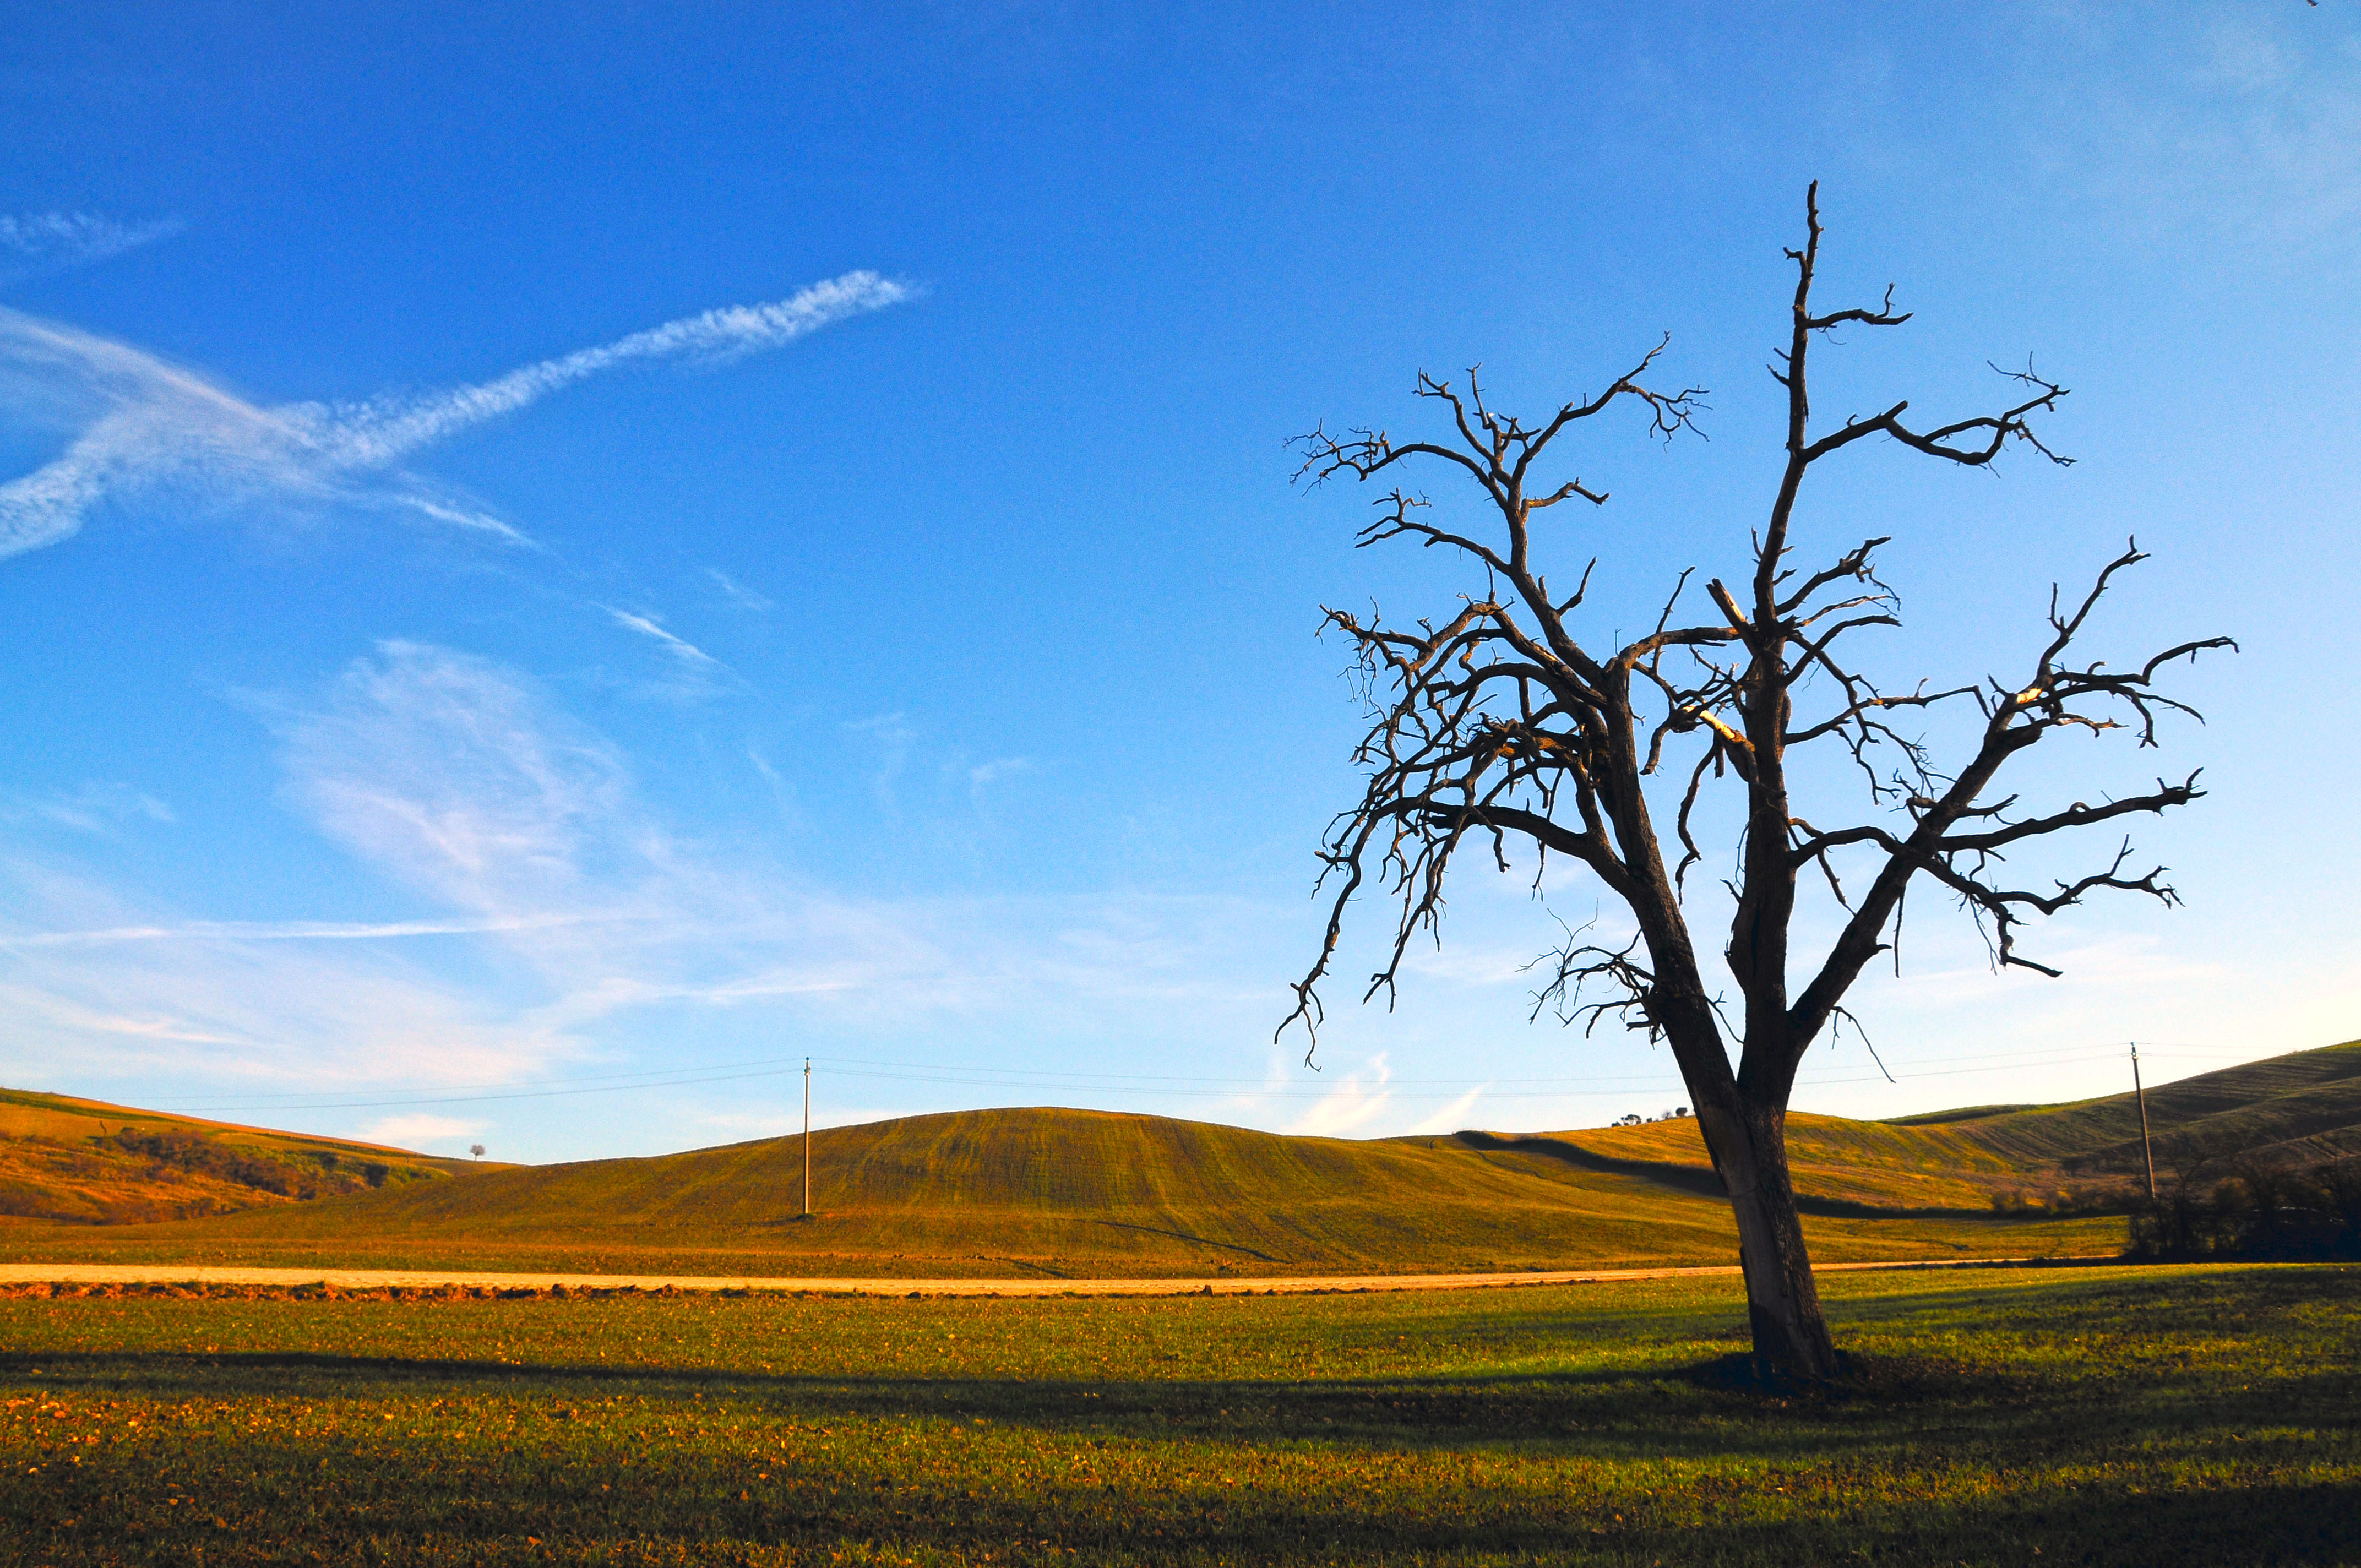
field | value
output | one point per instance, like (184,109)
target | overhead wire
(1152,1085)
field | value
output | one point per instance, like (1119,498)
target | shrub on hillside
(182,1150)
(2106,1198)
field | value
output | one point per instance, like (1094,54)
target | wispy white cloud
(1359,1099)
(584,926)
(93,809)
(739,593)
(33,243)
(277,931)
(123,993)
(151,430)
(2245,119)
(460,779)
(782,793)
(992,772)
(889,737)
(1454,1116)
(408,1132)
(377,433)
(687,652)
(457,778)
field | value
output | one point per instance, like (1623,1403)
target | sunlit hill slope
(2303,1108)
(1039,1191)
(88,1163)
(1075,1192)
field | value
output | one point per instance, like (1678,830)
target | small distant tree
(1508,722)
(476,1149)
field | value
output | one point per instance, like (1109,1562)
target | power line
(1153,1085)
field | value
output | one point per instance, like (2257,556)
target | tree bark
(1749,1146)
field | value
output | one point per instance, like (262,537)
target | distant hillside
(1077,1193)
(1048,1191)
(1839,1166)
(84,1162)
(2302,1108)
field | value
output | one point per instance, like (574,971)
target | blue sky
(553,563)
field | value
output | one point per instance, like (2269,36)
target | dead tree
(1508,724)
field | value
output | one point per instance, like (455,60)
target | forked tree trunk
(1749,1145)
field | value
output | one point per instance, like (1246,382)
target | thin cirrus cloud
(680,648)
(1453,1117)
(115,989)
(273,931)
(2262,135)
(93,809)
(408,1131)
(148,431)
(36,243)
(560,916)
(457,778)
(1358,1100)
(739,593)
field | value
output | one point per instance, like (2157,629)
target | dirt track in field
(105,1273)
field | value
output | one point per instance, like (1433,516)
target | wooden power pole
(2147,1150)
(2151,1180)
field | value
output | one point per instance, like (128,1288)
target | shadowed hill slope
(89,1163)
(1838,1165)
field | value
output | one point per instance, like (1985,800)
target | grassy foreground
(2135,1416)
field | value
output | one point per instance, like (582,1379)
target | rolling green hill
(1079,1192)
(84,1162)
(2303,1108)
(1047,1191)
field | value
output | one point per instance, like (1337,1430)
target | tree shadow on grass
(1635,1460)
(2273,1523)
(318,1499)
(1710,1409)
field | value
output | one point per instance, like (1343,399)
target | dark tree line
(2254,1209)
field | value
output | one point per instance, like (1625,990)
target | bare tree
(1508,723)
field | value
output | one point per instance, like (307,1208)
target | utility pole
(2151,1178)
(2145,1148)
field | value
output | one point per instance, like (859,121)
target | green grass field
(2097,1415)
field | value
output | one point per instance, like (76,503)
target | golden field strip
(359,1279)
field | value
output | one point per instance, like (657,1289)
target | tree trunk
(1749,1146)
